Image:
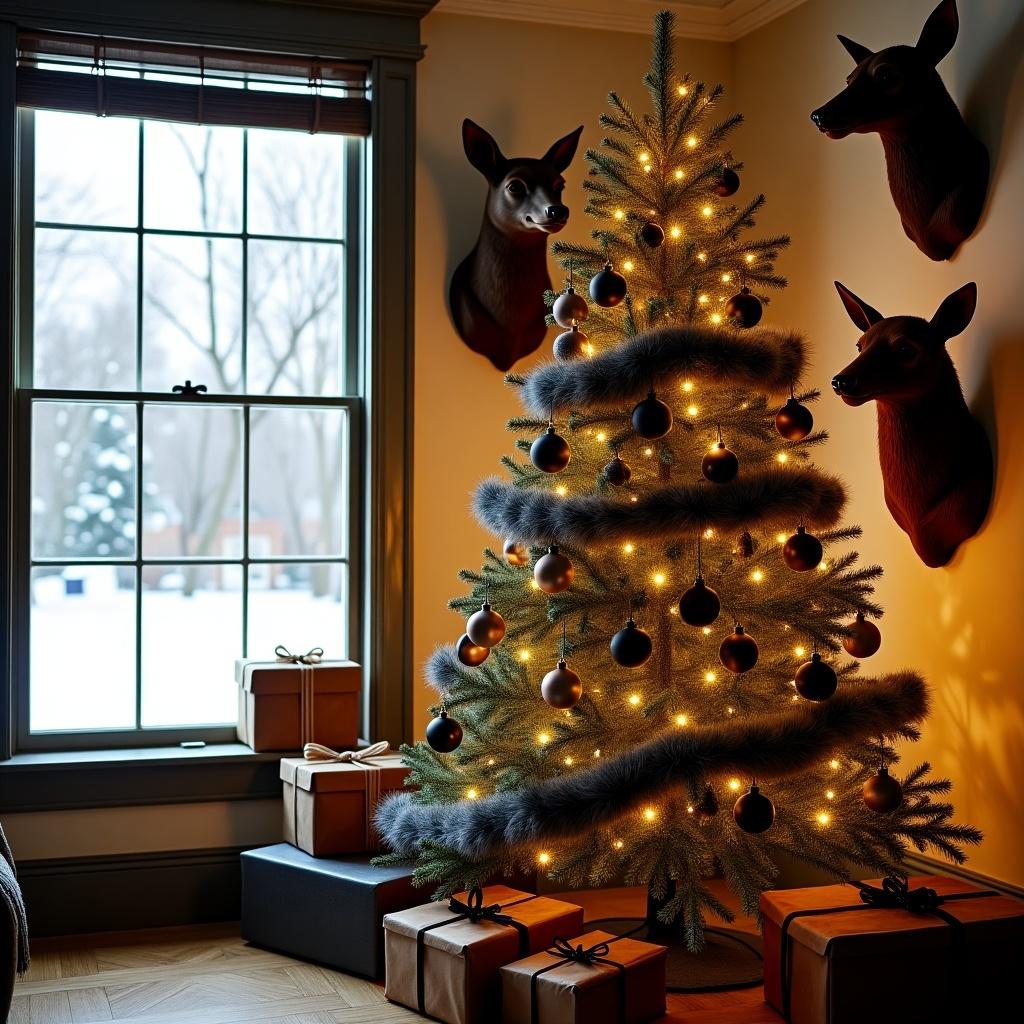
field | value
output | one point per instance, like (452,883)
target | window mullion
(139,446)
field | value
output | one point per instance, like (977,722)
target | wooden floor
(208,975)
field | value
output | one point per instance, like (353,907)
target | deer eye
(886,76)
(905,350)
(516,188)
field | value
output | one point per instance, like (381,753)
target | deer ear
(956,312)
(562,152)
(863,315)
(855,50)
(482,151)
(939,32)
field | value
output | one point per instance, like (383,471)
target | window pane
(87,169)
(83,480)
(192,480)
(191,635)
(295,184)
(193,177)
(192,313)
(297,482)
(300,606)
(83,648)
(84,309)
(295,318)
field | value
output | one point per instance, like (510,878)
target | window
(166,534)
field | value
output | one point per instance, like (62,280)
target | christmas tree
(659,677)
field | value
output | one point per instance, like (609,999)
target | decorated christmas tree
(659,679)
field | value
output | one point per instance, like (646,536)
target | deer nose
(843,383)
(557,212)
(816,117)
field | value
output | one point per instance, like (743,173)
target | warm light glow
(645,157)
(679,174)
(561,490)
(692,141)
(659,579)
(687,386)
(628,548)
(588,348)
(534,584)
(689,808)
(702,256)
(524,655)
(648,452)
(627,266)
(823,818)
(672,610)
(543,858)
(823,566)
(675,232)
(647,168)
(782,457)
(757,576)
(709,533)
(634,499)
(601,435)
(706,631)
(834,765)
(726,278)
(734,785)
(710,677)
(619,215)
(597,753)
(692,410)
(749,257)
(716,318)
(703,299)
(707,211)
(634,699)
(618,844)
(490,761)
(730,711)
(471,793)
(830,794)
(781,538)
(650,814)
(799,651)
(543,738)
(682,90)
(568,762)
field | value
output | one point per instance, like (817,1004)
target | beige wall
(958,626)
(528,84)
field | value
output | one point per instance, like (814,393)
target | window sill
(67,780)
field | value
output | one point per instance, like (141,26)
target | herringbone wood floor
(208,975)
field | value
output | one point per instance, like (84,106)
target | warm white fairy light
(830,794)
(647,168)
(757,576)
(601,435)
(782,458)
(471,793)
(799,650)
(634,699)
(692,410)
(672,610)
(627,266)
(692,142)
(834,764)
(707,211)
(726,278)
(490,762)
(619,215)
(823,566)
(618,844)
(534,585)
(687,386)
(628,549)
(781,538)
(710,677)
(543,858)
(659,579)
(689,808)
(703,299)
(681,720)
(730,711)
(645,158)
(676,231)
(648,452)
(568,762)
(588,348)
(716,318)
(544,738)
(709,533)
(679,174)
(735,785)
(561,490)
(650,814)
(706,631)
(634,499)
(682,90)
(823,818)
(702,256)
(524,655)
(597,753)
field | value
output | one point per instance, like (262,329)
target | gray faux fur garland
(761,747)
(763,498)
(768,360)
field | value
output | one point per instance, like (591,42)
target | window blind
(195,85)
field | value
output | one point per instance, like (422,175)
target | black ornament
(631,646)
(802,552)
(444,734)
(816,679)
(726,183)
(607,287)
(700,605)
(652,418)
(550,453)
(754,812)
(744,309)
(569,307)
(794,421)
(561,687)
(720,465)
(738,652)
(746,545)
(865,638)
(707,806)
(553,571)
(652,234)
(617,472)
(569,345)
(882,793)
(486,628)
(469,653)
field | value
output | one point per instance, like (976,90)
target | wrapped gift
(917,951)
(329,797)
(326,909)
(443,959)
(594,979)
(298,699)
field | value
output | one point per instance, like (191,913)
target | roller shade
(194,85)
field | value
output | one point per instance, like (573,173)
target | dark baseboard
(131,891)
(922,865)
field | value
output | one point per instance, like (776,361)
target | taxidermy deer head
(936,458)
(938,171)
(497,291)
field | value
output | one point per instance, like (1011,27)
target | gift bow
(565,950)
(318,752)
(475,910)
(312,657)
(896,893)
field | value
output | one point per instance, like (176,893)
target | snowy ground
(83,652)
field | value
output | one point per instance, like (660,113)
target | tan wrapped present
(330,797)
(298,699)
(443,959)
(594,979)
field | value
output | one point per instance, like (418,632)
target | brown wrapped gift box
(281,706)
(570,992)
(850,966)
(459,961)
(328,805)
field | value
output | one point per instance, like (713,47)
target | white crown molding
(722,21)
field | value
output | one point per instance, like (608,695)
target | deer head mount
(497,291)
(938,171)
(936,457)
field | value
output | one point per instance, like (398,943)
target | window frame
(27,396)
(390,41)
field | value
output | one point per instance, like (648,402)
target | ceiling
(719,20)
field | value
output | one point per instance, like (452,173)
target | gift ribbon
(566,953)
(305,663)
(472,910)
(371,791)
(894,894)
